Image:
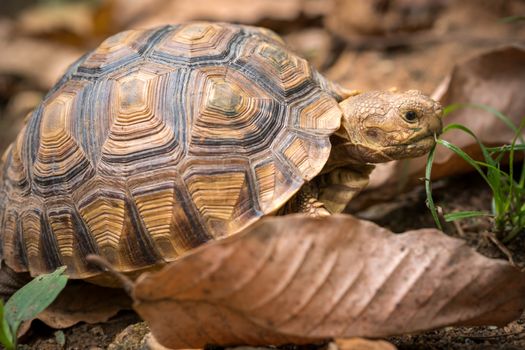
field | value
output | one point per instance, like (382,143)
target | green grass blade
(465,214)
(494,173)
(521,181)
(452,108)
(506,148)
(6,338)
(33,298)
(494,168)
(512,234)
(511,192)
(484,151)
(465,157)
(428,187)
(508,194)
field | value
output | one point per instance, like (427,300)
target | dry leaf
(84,302)
(40,62)
(315,45)
(299,279)
(69,19)
(350,19)
(153,344)
(152,13)
(363,344)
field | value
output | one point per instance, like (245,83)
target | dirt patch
(80,336)
(511,337)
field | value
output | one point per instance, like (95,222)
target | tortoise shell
(158,141)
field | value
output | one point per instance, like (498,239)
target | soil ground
(81,336)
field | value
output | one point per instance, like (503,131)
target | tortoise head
(380,126)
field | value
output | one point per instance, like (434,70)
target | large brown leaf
(299,279)
(84,302)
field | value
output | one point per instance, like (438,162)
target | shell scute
(286,75)
(60,158)
(197,42)
(221,194)
(232,115)
(118,50)
(164,211)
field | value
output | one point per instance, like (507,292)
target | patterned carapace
(158,141)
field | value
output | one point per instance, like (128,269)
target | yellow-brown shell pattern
(158,141)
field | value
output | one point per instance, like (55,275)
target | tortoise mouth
(425,142)
(415,147)
(423,138)
(431,134)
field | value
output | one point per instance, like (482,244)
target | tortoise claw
(317,209)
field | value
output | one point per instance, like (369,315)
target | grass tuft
(507,186)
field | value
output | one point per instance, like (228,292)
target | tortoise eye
(410,116)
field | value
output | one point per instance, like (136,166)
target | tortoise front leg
(339,186)
(305,201)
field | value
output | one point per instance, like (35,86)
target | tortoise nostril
(371,133)
(374,134)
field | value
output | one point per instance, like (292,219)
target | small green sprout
(507,187)
(28,302)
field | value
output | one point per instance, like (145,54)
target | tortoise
(162,139)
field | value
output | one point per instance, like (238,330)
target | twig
(458,227)
(492,237)
(104,265)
